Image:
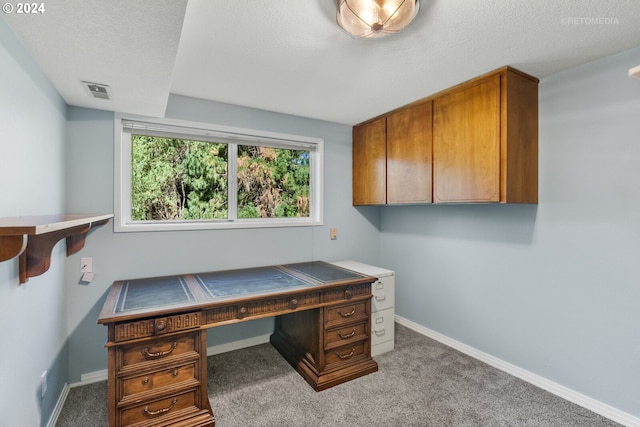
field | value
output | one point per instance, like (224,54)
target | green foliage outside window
(272,182)
(177,179)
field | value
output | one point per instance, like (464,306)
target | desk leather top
(149,294)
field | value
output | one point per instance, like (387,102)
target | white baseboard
(559,390)
(59,404)
(237,345)
(91,377)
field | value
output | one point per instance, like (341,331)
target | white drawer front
(383,291)
(382,324)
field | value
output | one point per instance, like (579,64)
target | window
(174,175)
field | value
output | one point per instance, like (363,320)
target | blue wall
(551,288)
(33,333)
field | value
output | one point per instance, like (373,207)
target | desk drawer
(344,335)
(152,327)
(155,380)
(157,349)
(154,412)
(344,314)
(346,354)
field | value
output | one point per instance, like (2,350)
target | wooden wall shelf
(32,238)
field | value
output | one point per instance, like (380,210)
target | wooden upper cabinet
(369,163)
(519,139)
(476,142)
(409,137)
(485,140)
(466,144)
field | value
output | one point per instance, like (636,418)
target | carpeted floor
(420,383)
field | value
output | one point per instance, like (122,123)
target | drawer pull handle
(379,332)
(380,297)
(175,373)
(349,335)
(145,381)
(349,314)
(148,355)
(161,411)
(346,356)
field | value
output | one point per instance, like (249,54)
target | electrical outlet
(43,384)
(333,233)
(86,265)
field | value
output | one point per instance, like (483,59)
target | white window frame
(213,133)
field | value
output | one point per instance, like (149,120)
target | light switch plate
(86,265)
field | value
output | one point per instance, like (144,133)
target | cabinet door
(409,152)
(466,144)
(369,163)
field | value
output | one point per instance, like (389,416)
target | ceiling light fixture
(375,18)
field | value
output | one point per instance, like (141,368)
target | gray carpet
(420,383)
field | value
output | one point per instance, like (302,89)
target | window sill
(191,225)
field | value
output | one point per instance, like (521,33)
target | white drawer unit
(382,304)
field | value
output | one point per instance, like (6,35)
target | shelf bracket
(37,258)
(75,242)
(12,246)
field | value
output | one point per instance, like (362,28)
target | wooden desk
(157,342)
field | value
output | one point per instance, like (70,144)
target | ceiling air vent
(98,90)
(635,72)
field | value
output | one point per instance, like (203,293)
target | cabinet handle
(148,355)
(379,332)
(145,381)
(161,411)
(351,313)
(380,297)
(349,335)
(346,356)
(175,373)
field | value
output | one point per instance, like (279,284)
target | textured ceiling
(290,56)
(130,46)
